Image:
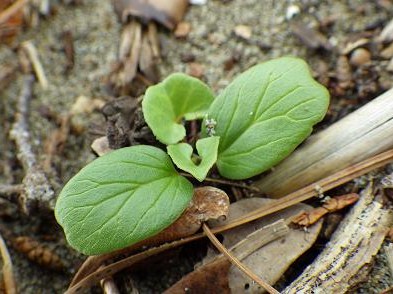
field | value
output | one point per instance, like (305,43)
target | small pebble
(187,57)
(84,104)
(198,2)
(101,146)
(196,70)
(182,29)
(292,11)
(243,31)
(360,57)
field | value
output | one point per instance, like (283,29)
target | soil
(219,55)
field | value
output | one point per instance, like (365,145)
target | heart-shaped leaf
(181,155)
(121,198)
(167,103)
(264,114)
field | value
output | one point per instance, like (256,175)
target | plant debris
(330,205)
(38,193)
(75,46)
(272,260)
(348,255)
(7,269)
(38,253)
(168,13)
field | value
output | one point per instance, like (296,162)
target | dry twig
(38,192)
(8,275)
(11,192)
(308,218)
(93,278)
(32,53)
(237,262)
(11,10)
(212,275)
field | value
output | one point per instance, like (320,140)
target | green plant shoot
(133,193)
(264,114)
(167,103)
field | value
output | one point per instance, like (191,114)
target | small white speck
(292,10)
(198,2)
(251,113)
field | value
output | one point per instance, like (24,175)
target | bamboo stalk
(362,134)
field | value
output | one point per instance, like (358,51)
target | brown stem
(226,182)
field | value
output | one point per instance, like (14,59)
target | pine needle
(237,262)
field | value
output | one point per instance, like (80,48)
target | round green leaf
(181,155)
(121,198)
(167,103)
(264,114)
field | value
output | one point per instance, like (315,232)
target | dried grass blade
(237,262)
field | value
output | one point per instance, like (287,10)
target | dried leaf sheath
(167,13)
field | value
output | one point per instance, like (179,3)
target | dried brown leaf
(131,62)
(11,19)
(272,260)
(333,204)
(339,202)
(207,203)
(212,276)
(167,13)
(147,61)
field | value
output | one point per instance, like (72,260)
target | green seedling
(182,156)
(166,104)
(133,193)
(264,114)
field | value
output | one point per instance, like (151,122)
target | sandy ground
(211,43)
